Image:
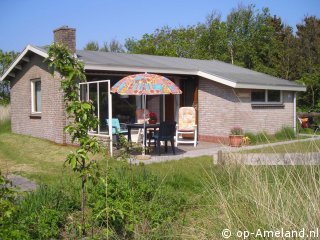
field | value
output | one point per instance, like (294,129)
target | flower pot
(235,140)
(151,121)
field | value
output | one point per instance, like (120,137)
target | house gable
(22,59)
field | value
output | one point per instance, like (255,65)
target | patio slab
(205,148)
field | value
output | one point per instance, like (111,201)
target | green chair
(117,127)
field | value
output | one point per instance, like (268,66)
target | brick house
(224,95)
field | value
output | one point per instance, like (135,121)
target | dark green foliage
(92,46)
(134,202)
(81,116)
(251,38)
(39,215)
(285,133)
(5,126)
(5,60)
(7,200)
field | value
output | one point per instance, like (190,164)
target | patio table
(141,125)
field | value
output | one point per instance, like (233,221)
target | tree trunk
(231,55)
(82,206)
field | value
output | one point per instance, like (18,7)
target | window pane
(273,96)
(37,91)
(258,96)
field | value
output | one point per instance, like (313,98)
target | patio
(182,151)
(207,148)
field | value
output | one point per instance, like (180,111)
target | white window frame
(87,98)
(33,107)
(266,98)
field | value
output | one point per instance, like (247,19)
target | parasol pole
(144,100)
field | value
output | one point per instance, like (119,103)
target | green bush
(137,202)
(5,126)
(258,138)
(285,133)
(40,214)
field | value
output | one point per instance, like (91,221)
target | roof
(228,74)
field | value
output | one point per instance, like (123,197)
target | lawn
(186,199)
(296,147)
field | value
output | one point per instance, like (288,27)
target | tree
(284,51)
(80,115)
(92,46)
(251,38)
(308,41)
(308,44)
(212,43)
(113,46)
(312,82)
(5,60)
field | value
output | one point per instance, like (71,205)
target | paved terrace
(204,148)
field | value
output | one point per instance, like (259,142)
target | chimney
(66,36)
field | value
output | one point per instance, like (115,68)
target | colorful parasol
(145,84)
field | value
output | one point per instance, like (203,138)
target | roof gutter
(139,69)
(272,87)
(250,86)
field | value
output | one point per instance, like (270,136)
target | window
(36,96)
(266,96)
(258,96)
(274,96)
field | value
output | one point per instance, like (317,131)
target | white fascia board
(217,79)
(271,87)
(250,86)
(138,69)
(18,59)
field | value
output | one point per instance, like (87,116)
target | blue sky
(25,22)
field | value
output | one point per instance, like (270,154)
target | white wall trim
(19,58)
(217,79)
(271,87)
(33,107)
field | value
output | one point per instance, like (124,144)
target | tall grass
(5,126)
(4,113)
(265,197)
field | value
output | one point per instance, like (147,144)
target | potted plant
(152,118)
(236,137)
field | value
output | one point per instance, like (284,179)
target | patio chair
(186,125)
(166,133)
(140,119)
(117,127)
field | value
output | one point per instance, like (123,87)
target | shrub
(285,133)
(251,136)
(236,131)
(5,126)
(137,203)
(40,214)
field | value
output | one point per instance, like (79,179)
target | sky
(24,22)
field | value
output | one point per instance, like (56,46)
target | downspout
(295,112)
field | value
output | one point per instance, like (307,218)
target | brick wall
(153,104)
(50,125)
(221,108)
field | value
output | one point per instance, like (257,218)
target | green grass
(297,147)
(217,197)
(284,134)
